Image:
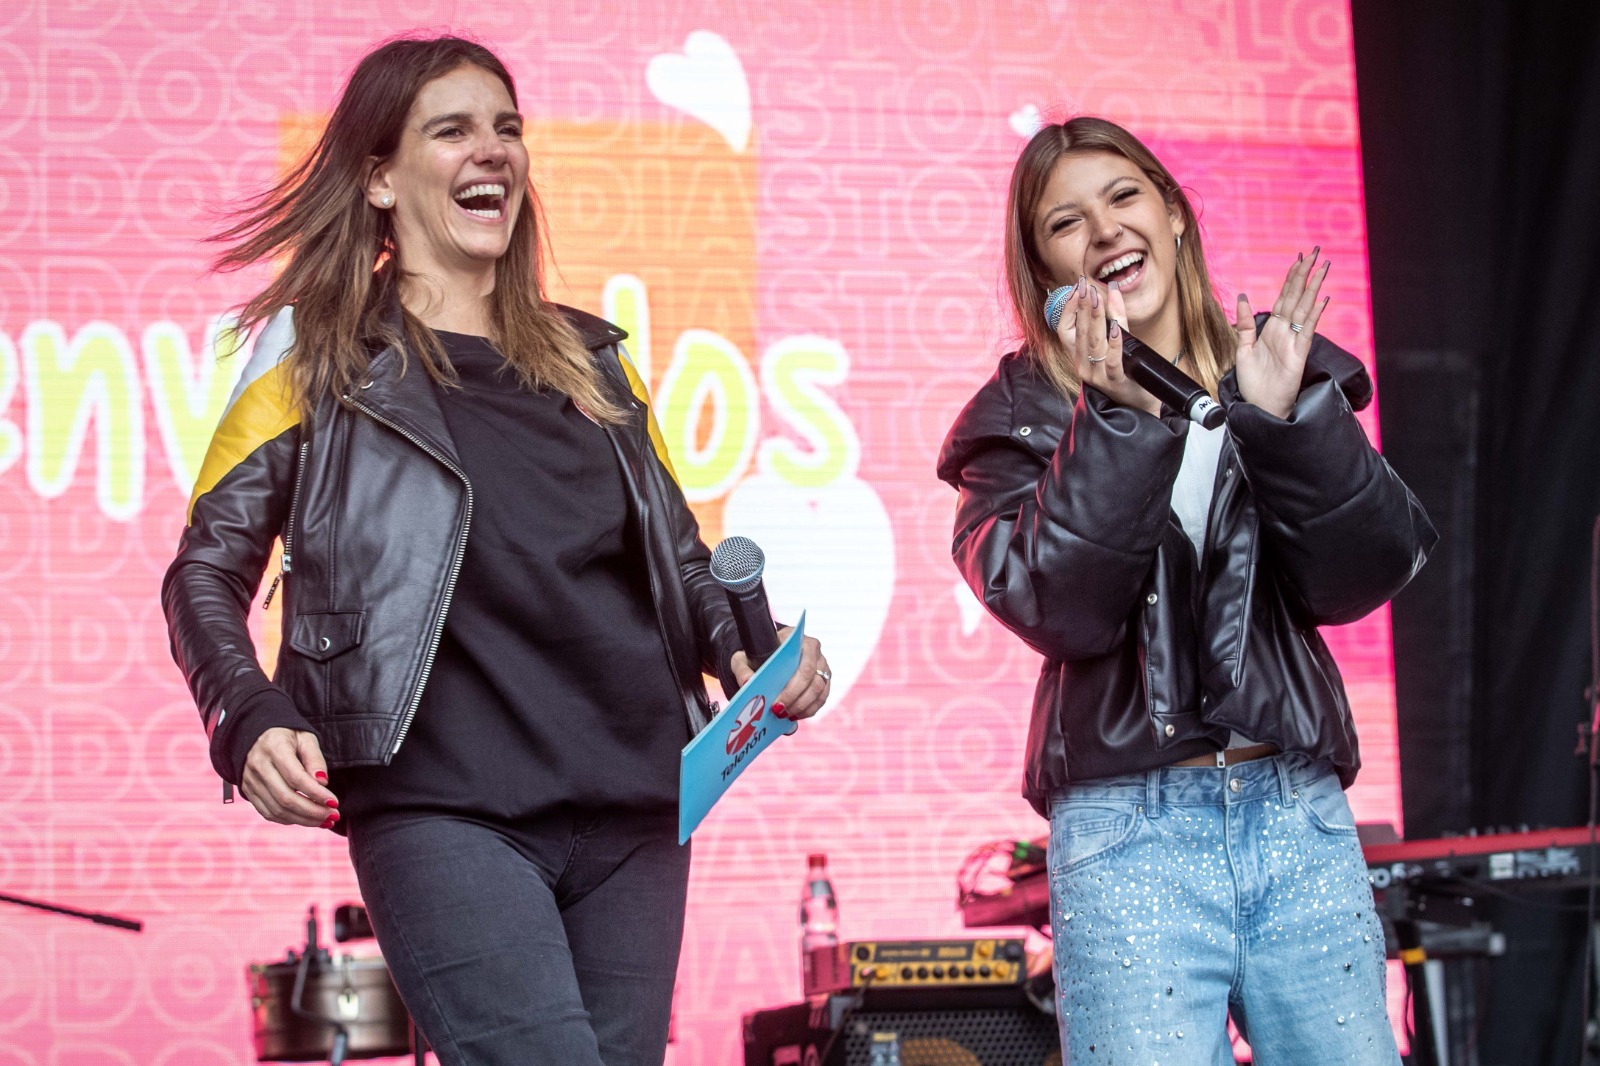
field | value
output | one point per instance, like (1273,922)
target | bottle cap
(816,859)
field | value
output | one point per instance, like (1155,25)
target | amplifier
(915,964)
(905,1027)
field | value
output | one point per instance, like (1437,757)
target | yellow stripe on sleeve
(641,392)
(261,412)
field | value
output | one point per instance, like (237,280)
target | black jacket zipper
(288,528)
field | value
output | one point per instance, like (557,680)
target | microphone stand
(92,916)
(1589,744)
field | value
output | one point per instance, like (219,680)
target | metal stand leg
(419,1046)
(1425,1049)
(1591,1010)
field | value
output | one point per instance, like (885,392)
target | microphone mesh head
(1055,303)
(737,564)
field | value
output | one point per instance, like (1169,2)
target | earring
(1180,236)
(387,200)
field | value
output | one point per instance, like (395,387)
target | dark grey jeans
(553,942)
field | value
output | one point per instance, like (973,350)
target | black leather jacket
(374,513)
(1064,529)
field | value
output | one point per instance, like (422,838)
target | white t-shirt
(1197,477)
(1191,498)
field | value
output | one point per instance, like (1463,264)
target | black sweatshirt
(551,686)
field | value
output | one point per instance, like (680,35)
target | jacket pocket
(321,636)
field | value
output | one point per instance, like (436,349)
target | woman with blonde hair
(497,609)
(1191,738)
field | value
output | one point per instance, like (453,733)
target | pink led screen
(796,211)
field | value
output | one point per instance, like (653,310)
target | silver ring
(1297,327)
(825,676)
(1092,359)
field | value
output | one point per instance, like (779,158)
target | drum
(339,991)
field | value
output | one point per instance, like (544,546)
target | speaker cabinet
(894,1027)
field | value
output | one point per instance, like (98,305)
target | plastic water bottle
(819,916)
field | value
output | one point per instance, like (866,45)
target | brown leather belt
(1231,756)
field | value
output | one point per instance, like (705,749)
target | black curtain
(1480,128)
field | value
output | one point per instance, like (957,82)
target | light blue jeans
(1182,895)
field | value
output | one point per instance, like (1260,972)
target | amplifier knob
(883,973)
(905,973)
(922,972)
(969,970)
(938,971)
(1002,969)
(983,971)
(863,953)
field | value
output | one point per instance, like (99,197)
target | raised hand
(1098,357)
(1269,363)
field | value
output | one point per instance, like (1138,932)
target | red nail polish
(328,823)
(321,776)
(332,803)
(777,709)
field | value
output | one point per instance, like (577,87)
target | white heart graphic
(830,553)
(969,607)
(705,80)
(1026,120)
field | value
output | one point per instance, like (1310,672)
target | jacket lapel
(1228,587)
(398,390)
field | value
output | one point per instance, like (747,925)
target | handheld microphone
(737,565)
(1151,370)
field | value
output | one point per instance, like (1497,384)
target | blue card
(715,758)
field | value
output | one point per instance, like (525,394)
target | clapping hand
(1269,363)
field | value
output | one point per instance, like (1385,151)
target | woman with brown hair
(1190,738)
(497,609)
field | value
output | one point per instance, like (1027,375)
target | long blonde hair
(341,271)
(1208,336)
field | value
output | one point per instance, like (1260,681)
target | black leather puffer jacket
(374,513)
(1065,531)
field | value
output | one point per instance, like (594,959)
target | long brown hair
(341,271)
(1208,336)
